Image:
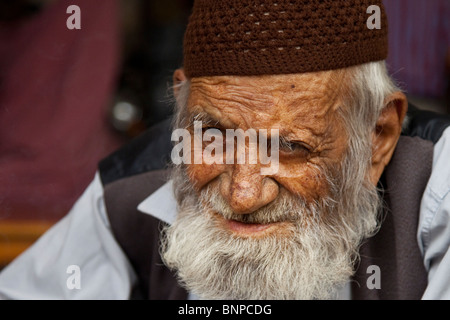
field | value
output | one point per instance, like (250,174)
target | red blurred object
(55,88)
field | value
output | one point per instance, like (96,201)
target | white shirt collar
(161,204)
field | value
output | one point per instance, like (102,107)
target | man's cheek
(304,180)
(201,174)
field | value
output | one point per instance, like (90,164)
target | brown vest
(393,249)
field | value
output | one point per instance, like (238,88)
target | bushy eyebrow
(208,120)
(203,117)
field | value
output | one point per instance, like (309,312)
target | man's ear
(178,78)
(387,132)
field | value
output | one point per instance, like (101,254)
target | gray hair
(363,101)
(370,85)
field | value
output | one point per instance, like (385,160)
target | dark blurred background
(419,50)
(68,97)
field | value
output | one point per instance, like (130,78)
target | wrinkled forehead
(288,95)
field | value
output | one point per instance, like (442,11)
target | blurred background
(68,98)
(419,50)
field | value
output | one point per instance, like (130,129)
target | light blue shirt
(83,238)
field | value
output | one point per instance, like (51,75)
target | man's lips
(247,229)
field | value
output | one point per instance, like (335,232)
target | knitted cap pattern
(257,37)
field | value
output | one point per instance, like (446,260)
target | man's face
(292,234)
(304,110)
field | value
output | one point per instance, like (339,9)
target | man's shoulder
(129,176)
(434,228)
(148,152)
(426,127)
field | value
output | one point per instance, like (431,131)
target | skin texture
(304,107)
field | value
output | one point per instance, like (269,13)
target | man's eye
(294,147)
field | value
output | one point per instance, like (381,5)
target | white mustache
(285,208)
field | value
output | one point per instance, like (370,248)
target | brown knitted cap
(256,37)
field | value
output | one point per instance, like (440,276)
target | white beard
(311,259)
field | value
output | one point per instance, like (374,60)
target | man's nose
(247,190)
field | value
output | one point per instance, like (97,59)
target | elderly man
(352,209)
